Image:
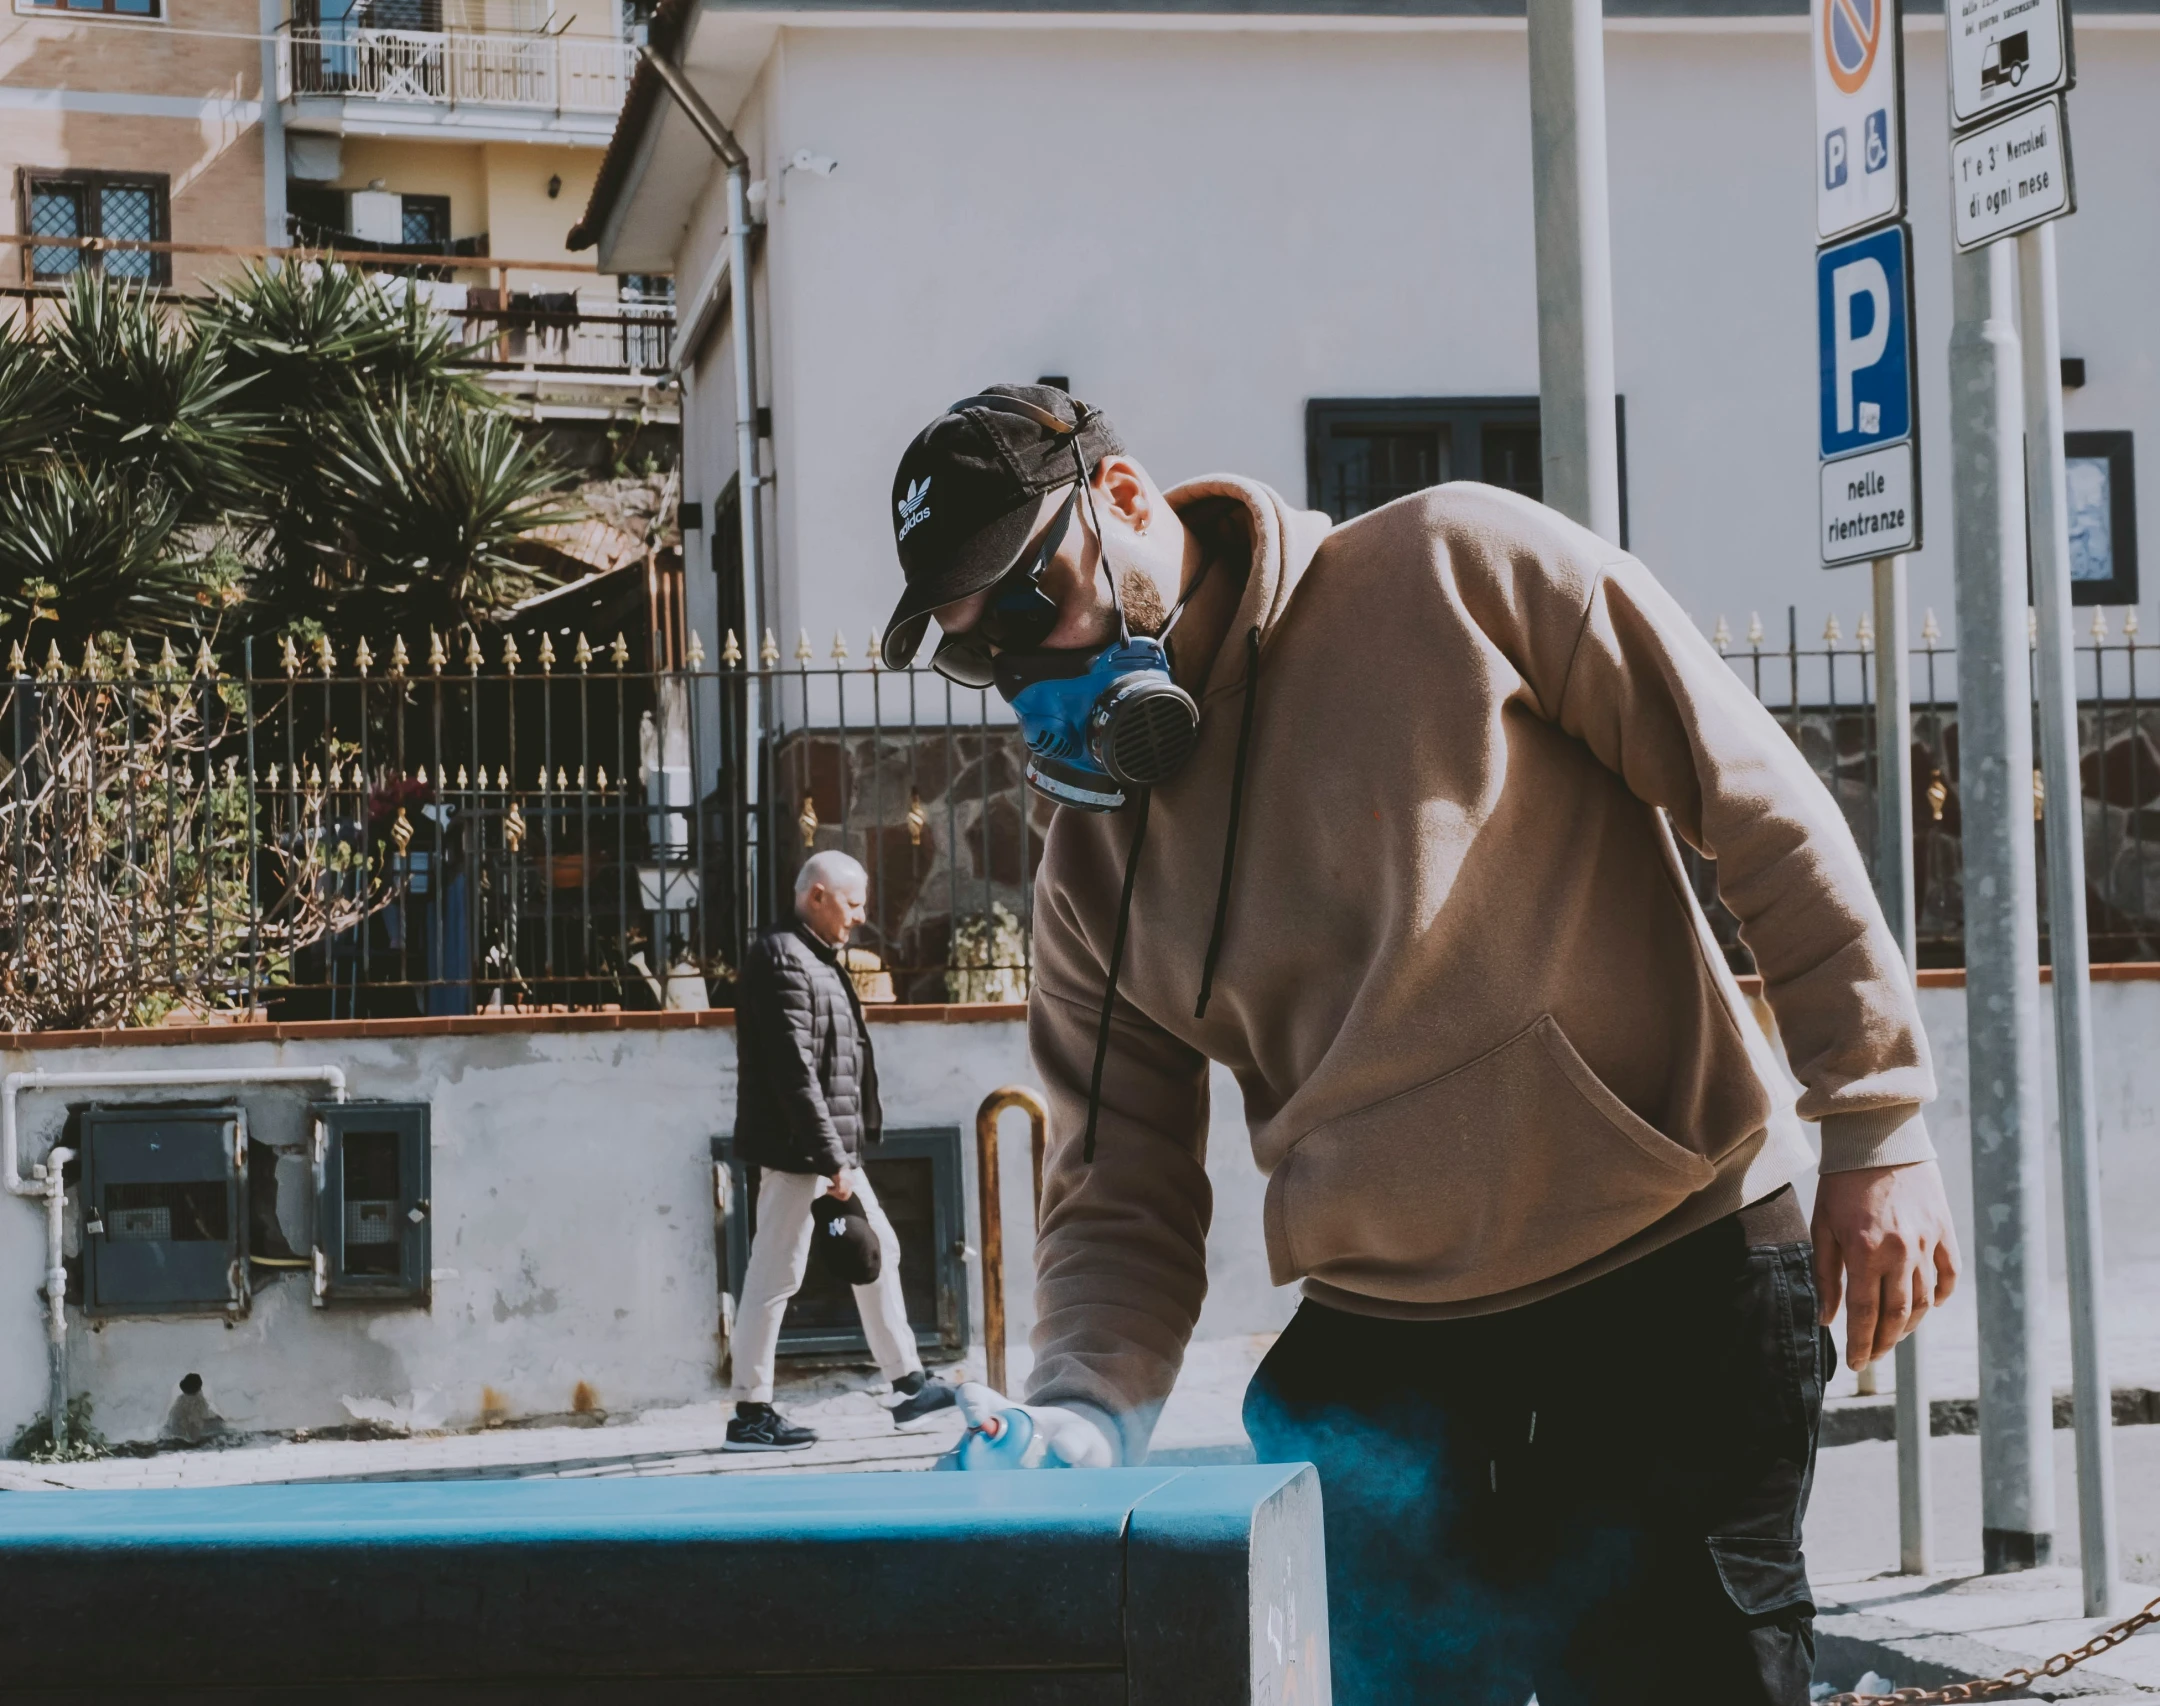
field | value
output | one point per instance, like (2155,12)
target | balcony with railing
(535,74)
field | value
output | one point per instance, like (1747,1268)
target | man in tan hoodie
(1391,838)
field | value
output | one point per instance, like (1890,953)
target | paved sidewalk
(1924,1631)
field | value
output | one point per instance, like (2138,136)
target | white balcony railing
(562,74)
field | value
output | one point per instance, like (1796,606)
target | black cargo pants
(1597,1497)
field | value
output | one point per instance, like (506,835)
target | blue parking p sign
(1863,310)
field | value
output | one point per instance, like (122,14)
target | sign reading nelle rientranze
(1868,429)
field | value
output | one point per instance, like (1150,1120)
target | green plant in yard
(34,1442)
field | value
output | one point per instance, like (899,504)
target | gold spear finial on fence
(542,783)
(129,662)
(2130,624)
(168,660)
(510,654)
(731,651)
(464,777)
(90,658)
(398,657)
(206,661)
(875,650)
(362,657)
(839,647)
(16,664)
(582,656)
(562,778)
(473,659)
(547,655)
(273,776)
(695,653)
(325,654)
(2099,626)
(1721,636)
(600,778)
(435,657)
(502,778)
(803,654)
(288,659)
(581,778)
(1755,630)
(1831,632)
(314,776)
(619,651)
(55,670)
(1864,635)
(769,651)
(1929,633)
(422,778)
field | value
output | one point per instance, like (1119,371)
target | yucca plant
(436,494)
(146,397)
(30,409)
(86,553)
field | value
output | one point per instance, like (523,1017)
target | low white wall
(573,1227)
(572,1196)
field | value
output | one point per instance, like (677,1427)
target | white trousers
(780,1256)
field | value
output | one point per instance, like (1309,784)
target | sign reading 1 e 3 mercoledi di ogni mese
(1869,427)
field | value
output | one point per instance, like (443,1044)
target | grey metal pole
(749,489)
(1894,888)
(2070,951)
(277,232)
(1578,418)
(2002,927)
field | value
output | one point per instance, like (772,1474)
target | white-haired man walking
(806,1105)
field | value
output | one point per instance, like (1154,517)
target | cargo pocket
(1770,1658)
(1762,1577)
(1507,1170)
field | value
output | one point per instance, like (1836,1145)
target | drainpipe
(46,1178)
(736,159)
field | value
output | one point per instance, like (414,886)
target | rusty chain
(2023,1676)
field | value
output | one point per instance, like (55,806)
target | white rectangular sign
(1870,505)
(2004,53)
(2011,175)
(1859,114)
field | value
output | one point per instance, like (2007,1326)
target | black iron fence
(460,826)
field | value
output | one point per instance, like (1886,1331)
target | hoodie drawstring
(1229,849)
(1117,959)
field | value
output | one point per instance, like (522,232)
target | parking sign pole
(1578,415)
(2002,928)
(1894,888)
(2069,950)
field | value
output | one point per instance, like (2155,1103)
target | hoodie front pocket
(1503,1172)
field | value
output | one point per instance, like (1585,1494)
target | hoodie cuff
(1895,1136)
(1106,1425)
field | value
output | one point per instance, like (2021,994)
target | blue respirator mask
(1099,721)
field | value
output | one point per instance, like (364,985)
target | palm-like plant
(85,553)
(436,495)
(30,409)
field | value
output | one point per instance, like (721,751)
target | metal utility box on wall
(372,1213)
(916,1174)
(164,1210)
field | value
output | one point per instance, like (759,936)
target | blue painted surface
(784,1587)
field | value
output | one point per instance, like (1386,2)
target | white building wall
(1205,227)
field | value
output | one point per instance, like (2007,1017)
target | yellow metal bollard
(989,1205)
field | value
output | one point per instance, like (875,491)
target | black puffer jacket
(806,1098)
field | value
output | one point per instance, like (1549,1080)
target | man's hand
(1884,1244)
(1005,1435)
(838,1187)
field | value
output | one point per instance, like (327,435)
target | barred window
(130,207)
(113,8)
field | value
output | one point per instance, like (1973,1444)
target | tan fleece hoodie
(1487,1046)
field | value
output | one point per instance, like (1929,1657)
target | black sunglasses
(1018,616)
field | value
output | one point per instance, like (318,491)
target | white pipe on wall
(47,1180)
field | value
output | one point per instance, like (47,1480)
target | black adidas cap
(966,496)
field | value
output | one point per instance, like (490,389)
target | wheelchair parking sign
(1859,115)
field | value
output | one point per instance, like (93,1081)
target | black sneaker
(760,1427)
(917,1406)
